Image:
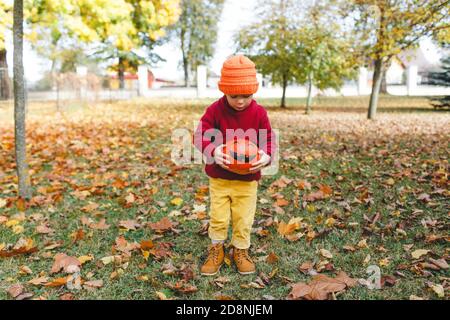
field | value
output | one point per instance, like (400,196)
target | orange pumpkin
(243,153)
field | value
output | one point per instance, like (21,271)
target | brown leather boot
(243,261)
(214,260)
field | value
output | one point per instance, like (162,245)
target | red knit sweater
(221,116)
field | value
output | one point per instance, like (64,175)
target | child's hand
(222,159)
(262,162)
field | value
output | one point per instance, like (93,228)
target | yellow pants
(233,199)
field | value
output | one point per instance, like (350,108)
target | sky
(236,13)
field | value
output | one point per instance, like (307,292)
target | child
(233,195)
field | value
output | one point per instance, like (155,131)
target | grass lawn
(102,178)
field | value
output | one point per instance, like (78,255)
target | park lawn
(384,196)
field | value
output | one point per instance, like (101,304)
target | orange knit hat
(238,76)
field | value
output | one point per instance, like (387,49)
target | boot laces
(213,253)
(242,254)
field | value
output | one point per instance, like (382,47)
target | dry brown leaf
(38,281)
(58,282)
(93,284)
(22,246)
(15,290)
(101,225)
(281,202)
(44,229)
(321,287)
(162,225)
(272,258)
(129,224)
(67,263)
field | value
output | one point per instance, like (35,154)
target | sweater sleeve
(204,135)
(268,141)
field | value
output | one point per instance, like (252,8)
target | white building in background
(426,58)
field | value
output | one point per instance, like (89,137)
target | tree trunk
(376,84)
(19,103)
(283,97)
(55,83)
(5,83)
(383,88)
(185,59)
(121,73)
(309,99)
(186,71)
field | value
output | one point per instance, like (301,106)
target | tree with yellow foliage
(387,27)
(5,24)
(117,28)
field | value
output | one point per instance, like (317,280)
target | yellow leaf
(416,254)
(390,182)
(84,259)
(12,223)
(362,244)
(2,203)
(145,254)
(383,262)
(438,289)
(108,260)
(329,222)
(18,229)
(161,296)
(25,270)
(325,253)
(176,201)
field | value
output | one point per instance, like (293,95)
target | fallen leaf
(101,225)
(182,286)
(321,287)
(38,281)
(281,202)
(24,296)
(176,201)
(93,284)
(129,224)
(67,263)
(325,189)
(438,289)
(44,229)
(84,259)
(325,253)
(161,226)
(161,295)
(90,207)
(67,296)
(110,259)
(146,244)
(130,198)
(272,258)
(306,267)
(416,254)
(15,290)
(58,282)
(124,246)
(22,246)
(441,263)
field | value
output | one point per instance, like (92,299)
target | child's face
(239,102)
